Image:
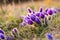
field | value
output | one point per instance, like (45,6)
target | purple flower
(37,20)
(45,13)
(9,37)
(49,36)
(37,14)
(50,12)
(29,19)
(54,10)
(42,15)
(1,31)
(26,18)
(2,36)
(32,16)
(29,22)
(40,10)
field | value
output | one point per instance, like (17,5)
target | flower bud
(14,31)
(46,9)
(40,10)
(29,10)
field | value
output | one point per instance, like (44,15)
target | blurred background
(14,5)
(23,4)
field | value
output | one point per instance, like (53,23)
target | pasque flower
(32,17)
(50,12)
(28,20)
(2,36)
(37,20)
(36,16)
(1,31)
(54,10)
(42,15)
(49,36)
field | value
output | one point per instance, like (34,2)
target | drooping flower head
(2,36)
(32,17)
(42,15)
(28,20)
(38,14)
(40,10)
(49,36)
(54,10)
(37,20)
(50,12)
